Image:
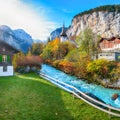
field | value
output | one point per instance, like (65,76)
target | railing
(86,98)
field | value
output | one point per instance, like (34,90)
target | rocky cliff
(104,23)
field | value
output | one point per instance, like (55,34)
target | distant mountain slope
(56,33)
(17,38)
(103,21)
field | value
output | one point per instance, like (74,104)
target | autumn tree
(100,69)
(55,49)
(37,48)
(17,59)
(86,42)
(65,48)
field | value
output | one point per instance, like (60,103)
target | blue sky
(40,17)
(64,10)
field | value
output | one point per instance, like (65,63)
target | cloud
(18,14)
(66,11)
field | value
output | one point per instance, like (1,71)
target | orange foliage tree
(21,60)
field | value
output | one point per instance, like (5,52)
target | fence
(86,98)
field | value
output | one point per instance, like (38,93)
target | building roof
(14,50)
(110,39)
(63,33)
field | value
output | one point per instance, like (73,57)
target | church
(6,55)
(63,35)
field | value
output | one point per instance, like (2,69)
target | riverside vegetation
(75,59)
(79,60)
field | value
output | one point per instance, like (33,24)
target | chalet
(6,53)
(110,48)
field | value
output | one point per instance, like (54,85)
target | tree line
(108,8)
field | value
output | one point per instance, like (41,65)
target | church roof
(63,33)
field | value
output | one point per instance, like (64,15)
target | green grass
(29,97)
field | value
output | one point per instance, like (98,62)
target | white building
(110,49)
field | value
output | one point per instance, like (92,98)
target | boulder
(115,96)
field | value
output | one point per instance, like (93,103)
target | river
(99,91)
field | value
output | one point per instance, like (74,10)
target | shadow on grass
(29,97)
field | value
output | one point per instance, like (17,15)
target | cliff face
(106,24)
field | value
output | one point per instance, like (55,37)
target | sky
(40,17)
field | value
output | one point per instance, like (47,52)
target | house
(6,54)
(111,44)
(110,48)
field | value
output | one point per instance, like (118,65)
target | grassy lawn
(29,97)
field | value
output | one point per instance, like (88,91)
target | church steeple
(63,35)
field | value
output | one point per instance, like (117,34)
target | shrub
(100,69)
(115,73)
(22,62)
(67,67)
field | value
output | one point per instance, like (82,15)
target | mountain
(37,41)
(103,21)
(17,38)
(56,33)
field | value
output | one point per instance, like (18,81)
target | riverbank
(102,93)
(111,82)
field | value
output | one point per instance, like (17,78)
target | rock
(115,96)
(102,23)
(27,69)
(6,111)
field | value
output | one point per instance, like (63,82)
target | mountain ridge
(18,38)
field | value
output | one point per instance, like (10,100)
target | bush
(56,63)
(115,73)
(26,64)
(100,69)
(67,67)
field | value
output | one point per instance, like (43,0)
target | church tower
(63,35)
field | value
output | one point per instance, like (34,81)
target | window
(0,58)
(4,58)
(8,58)
(4,68)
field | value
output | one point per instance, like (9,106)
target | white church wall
(9,71)
(63,39)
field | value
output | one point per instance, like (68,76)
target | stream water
(100,92)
